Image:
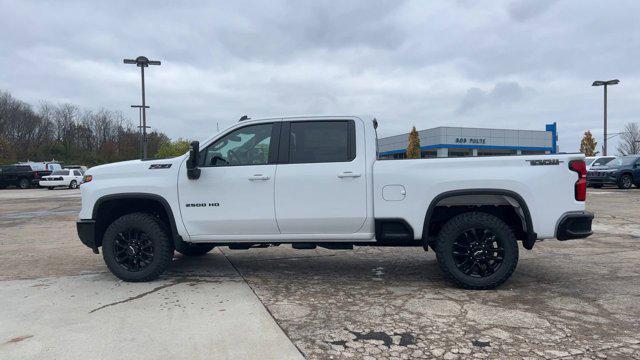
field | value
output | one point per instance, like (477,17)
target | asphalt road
(575,299)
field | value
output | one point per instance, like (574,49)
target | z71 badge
(538,162)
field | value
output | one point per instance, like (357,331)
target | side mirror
(193,172)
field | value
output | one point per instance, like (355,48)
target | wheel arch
(525,217)
(109,207)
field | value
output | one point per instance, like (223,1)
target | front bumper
(87,233)
(602,178)
(574,225)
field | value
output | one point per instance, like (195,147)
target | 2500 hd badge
(215,204)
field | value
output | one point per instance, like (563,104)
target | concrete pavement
(567,300)
(58,301)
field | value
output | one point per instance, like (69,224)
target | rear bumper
(87,233)
(574,225)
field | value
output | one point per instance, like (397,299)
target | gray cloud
(499,64)
(522,10)
(502,93)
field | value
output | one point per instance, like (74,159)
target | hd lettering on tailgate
(202,205)
(539,162)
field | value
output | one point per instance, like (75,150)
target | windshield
(60,172)
(627,160)
(602,161)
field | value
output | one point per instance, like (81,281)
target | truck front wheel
(136,248)
(477,251)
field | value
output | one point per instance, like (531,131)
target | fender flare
(145,196)
(531,235)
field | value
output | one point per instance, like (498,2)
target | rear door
(321,178)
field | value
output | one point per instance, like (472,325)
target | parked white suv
(70,178)
(315,181)
(593,161)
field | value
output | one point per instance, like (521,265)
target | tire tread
(165,246)
(450,231)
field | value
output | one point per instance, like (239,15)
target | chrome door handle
(258,177)
(348,174)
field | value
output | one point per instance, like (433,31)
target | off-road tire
(191,249)
(162,246)
(24,183)
(625,181)
(73,184)
(456,227)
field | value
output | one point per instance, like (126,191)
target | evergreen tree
(413,149)
(588,144)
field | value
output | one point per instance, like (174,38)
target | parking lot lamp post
(605,84)
(140,146)
(143,62)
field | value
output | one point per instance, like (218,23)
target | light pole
(140,146)
(605,84)
(142,62)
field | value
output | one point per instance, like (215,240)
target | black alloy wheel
(477,252)
(137,247)
(133,250)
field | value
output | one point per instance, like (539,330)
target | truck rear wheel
(24,183)
(191,249)
(136,247)
(477,251)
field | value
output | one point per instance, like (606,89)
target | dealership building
(458,141)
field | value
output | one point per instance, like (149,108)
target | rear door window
(321,141)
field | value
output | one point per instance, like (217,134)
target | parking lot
(574,299)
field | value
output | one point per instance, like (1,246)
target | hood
(136,167)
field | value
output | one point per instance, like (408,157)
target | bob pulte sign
(465,140)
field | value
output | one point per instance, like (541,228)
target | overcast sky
(501,64)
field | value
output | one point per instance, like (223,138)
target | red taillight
(580,167)
(36,175)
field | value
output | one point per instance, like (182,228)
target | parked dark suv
(623,172)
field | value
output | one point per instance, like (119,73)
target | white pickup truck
(316,181)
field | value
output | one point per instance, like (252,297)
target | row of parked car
(41,174)
(623,171)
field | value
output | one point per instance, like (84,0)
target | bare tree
(630,140)
(67,133)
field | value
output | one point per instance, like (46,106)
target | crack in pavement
(154,290)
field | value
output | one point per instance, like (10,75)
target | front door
(321,185)
(234,194)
